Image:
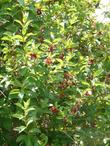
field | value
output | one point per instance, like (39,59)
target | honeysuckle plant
(54,74)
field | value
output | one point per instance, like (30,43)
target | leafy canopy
(54,74)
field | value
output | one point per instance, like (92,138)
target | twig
(2,93)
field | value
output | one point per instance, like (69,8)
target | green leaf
(44,139)
(29,122)
(28,35)
(28,141)
(19,22)
(26,104)
(21,2)
(14,93)
(6,38)
(36,144)
(7,123)
(25,28)
(18,37)
(30,109)
(20,138)
(18,116)
(34,130)
(20,106)
(20,129)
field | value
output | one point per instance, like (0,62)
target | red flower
(48,61)
(74,110)
(61,56)
(33,56)
(67,75)
(51,49)
(88,93)
(91,61)
(62,85)
(62,95)
(54,109)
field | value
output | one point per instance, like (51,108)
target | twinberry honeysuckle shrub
(54,74)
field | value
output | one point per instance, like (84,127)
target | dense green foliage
(54,74)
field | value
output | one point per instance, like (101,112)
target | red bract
(54,109)
(48,61)
(33,56)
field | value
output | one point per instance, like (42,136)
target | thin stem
(2,93)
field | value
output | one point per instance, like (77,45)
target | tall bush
(54,74)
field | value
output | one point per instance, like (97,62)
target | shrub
(54,74)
